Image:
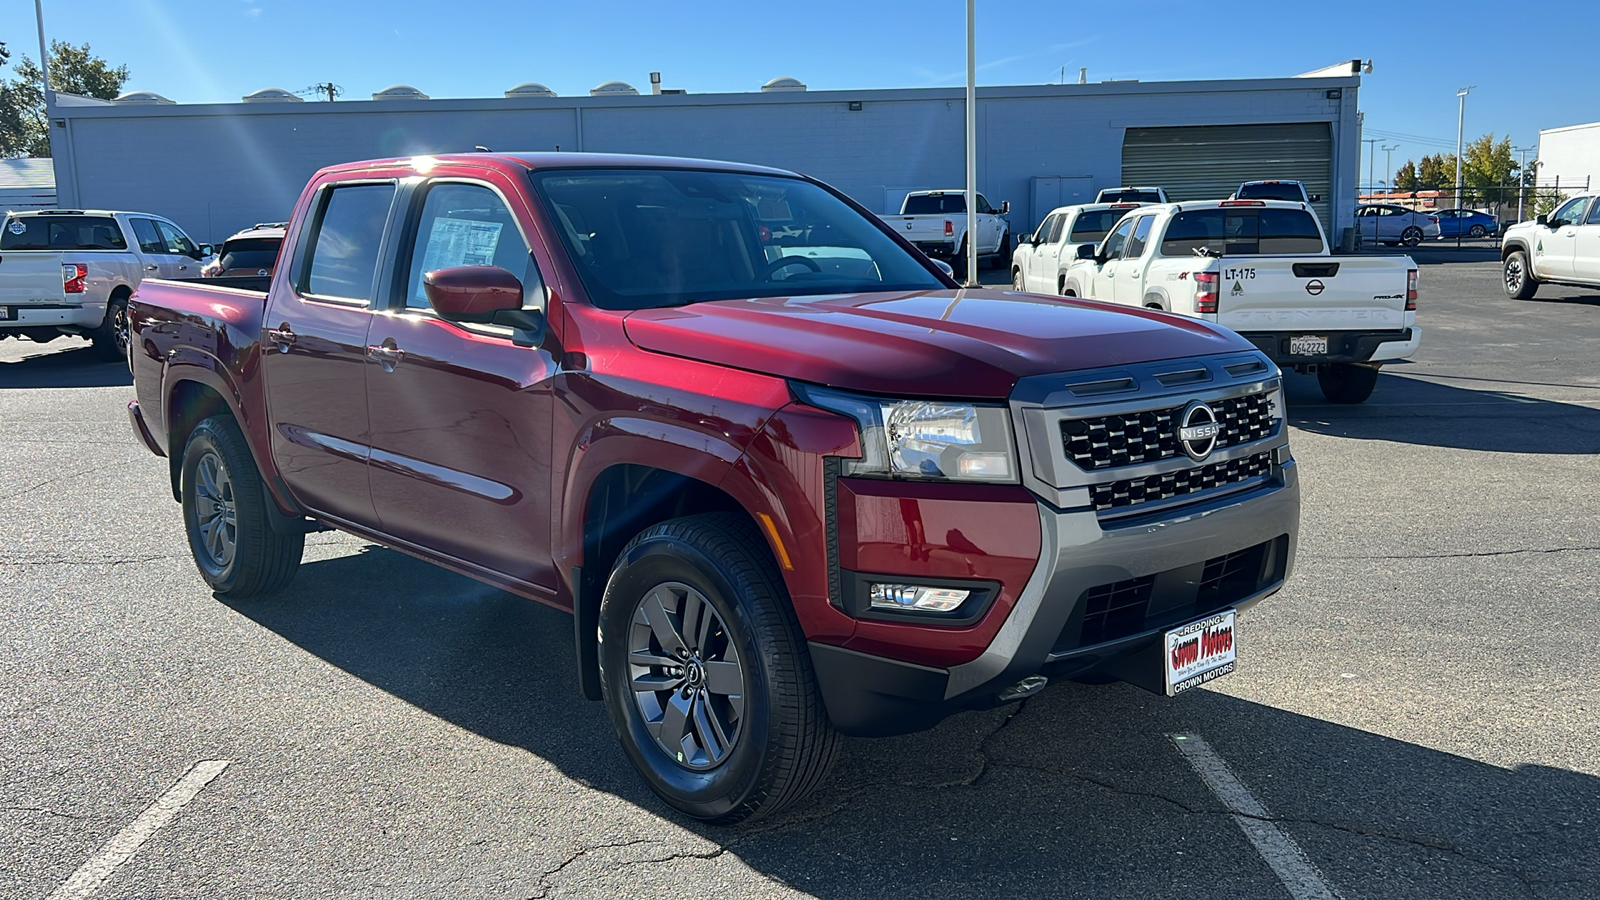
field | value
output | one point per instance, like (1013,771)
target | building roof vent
(613,89)
(400,92)
(530,89)
(148,97)
(272,95)
(784,83)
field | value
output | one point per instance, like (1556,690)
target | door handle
(183,268)
(152,268)
(386,355)
(282,336)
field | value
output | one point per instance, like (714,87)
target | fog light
(915,596)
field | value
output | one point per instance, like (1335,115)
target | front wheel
(1017,282)
(1477,231)
(1411,237)
(1005,246)
(225,514)
(1347,383)
(706,675)
(1520,283)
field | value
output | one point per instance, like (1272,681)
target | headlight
(933,439)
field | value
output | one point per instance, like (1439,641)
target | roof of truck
(555,160)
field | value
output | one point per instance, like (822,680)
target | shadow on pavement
(1079,792)
(50,367)
(1415,411)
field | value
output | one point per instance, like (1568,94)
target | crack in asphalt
(544,877)
(106,561)
(41,809)
(1484,553)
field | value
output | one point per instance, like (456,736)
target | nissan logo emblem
(1314,287)
(1198,431)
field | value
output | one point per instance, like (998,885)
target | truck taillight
(949,228)
(73,276)
(1205,292)
(1242,203)
(1411,290)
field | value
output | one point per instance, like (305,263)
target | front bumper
(1343,346)
(1098,601)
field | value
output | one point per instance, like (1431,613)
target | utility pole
(1461,120)
(1388,170)
(1372,158)
(1522,174)
(972,279)
(44,51)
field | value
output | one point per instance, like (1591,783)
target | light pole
(44,52)
(972,147)
(1372,156)
(1522,175)
(1388,169)
(1461,120)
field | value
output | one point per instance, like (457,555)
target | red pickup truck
(789,478)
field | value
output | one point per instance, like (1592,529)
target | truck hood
(952,343)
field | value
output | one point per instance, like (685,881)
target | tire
(1412,236)
(1520,283)
(222,487)
(1004,252)
(110,339)
(1017,281)
(711,754)
(959,264)
(1346,383)
(1477,231)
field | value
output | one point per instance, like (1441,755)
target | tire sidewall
(1520,259)
(204,440)
(654,560)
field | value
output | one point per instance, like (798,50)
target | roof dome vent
(400,92)
(148,97)
(613,89)
(530,89)
(272,95)
(784,83)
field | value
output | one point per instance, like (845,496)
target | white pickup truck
(936,222)
(1262,268)
(1561,248)
(68,271)
(1039,263)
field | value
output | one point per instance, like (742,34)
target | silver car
(1390,225)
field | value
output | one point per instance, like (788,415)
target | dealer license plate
(1199,652)
(1308,345)
(8,313)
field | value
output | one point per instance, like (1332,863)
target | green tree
(1406,179)
(1437,172)
(1487,166)
(24,128)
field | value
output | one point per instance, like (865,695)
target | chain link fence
(1479,214)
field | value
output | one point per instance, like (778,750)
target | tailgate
(921,228)
(30,277)
(1342,293)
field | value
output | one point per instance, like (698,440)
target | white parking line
(117,851)
(1278,849)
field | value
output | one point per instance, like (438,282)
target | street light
(1388,169)
(1372,169)
(972,278)
(1461,119)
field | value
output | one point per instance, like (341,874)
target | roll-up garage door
(1209,162)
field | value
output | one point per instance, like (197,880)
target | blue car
(1466,223)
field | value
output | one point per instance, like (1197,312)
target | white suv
(1562,248)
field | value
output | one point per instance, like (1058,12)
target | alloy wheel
(1514,276)
(686,676)
(216,511)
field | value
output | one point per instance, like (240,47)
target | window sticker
(461,242)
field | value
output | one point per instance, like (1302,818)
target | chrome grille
(1108,442)
(1131,492)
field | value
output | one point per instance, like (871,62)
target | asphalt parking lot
(1415,715)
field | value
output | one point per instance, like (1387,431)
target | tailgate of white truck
(1313,294)
(30,277)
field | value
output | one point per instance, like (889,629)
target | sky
(1421,53)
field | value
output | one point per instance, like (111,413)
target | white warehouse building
(216,168)
(1570,156)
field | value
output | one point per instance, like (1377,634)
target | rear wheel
(1477,231)
(1347,383)
(706,675)
(111,338)
(1412,236)
(225,514)
(1520,283)
(959,264)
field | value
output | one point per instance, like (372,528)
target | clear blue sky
(1422,53)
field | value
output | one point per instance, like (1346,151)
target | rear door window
(344,251)
(62,233)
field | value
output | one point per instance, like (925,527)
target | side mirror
(204,250)
(1542,219)
(1024,239)
(483,295)
(1005,207)
(944,267)
(1086,251)
(1315,198)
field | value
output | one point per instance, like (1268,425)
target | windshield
(1271,190)
(1241,232)
(934,204)
(62,233)
(250,253)
(1092,227)
(646,238)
